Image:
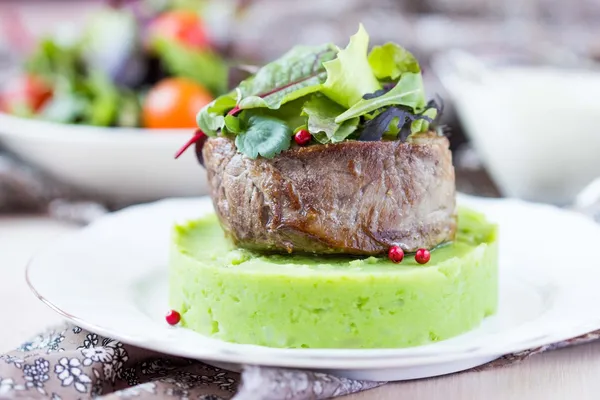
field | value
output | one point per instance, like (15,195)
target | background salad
(136,64)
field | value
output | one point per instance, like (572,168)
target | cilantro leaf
(408,92)
(349,76)
(391,61)
(265,136)
(297,73)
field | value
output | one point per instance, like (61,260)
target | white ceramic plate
(122,164)
(111,278)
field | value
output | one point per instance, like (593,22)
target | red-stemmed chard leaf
(297,73)
(198,139)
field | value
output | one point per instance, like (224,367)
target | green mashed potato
(304,301)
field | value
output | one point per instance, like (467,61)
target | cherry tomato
(25,90)
(174,103)
(186,27)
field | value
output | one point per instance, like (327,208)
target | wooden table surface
(564,374)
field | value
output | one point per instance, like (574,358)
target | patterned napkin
(68,362)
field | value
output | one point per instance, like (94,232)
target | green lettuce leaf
(346,129)
(233,124)
(211,117)
(297,73)
(330,92)
(321,112)
(408,92)
(265,136)
(349,76)
(391,61)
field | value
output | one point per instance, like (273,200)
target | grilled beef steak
(350,197)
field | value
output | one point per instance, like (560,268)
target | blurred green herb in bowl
(104,75)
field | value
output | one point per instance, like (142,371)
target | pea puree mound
(315,301)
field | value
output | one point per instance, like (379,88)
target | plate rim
(305,358)
(31,127)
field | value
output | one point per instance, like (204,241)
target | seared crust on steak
(351,197)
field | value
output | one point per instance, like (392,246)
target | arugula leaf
(321,112)
(265,136)
(349,76)
(205,67)
(376,93)
(398,116)
(391,61)
(297,73)
(408,92)
(210,118)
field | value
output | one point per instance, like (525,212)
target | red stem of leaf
(197,136)
(237,108)
(270,92)
(234,110)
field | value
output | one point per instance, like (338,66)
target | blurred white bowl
(119,164)
(536,129)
